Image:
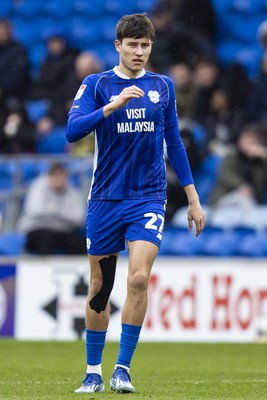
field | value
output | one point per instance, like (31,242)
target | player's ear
(117,44)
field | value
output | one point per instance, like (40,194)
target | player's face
(134,54)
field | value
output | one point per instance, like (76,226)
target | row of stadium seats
(214,243)
(180,242)
(248,7)
(31,8)
(86,24)
(91,26)
(229,232)
(56,8)
(17,173)
(237,25)
(21,171)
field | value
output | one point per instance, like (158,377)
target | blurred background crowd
(216,54)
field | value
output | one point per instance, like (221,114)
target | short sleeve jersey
(129,144)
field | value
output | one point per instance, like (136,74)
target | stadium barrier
(198,299)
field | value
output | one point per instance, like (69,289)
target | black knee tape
(108,268)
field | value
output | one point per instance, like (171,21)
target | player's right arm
(84,117)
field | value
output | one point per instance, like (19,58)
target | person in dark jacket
(242,179)
(14,65)
(55,69)
(17,132)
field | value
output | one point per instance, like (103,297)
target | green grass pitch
(52,370)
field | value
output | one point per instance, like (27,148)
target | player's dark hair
(135,26)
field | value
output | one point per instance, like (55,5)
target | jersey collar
(123,76)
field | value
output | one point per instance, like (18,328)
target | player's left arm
(178,158)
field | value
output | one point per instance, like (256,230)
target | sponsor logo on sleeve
(80,92)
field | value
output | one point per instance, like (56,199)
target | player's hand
(196,215)
(131,92)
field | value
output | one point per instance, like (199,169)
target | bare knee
(95,286)
(138,283)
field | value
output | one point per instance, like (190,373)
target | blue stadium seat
(120,8)
(220,244)
(53,143)
(56,8)
(206,176)
(7,175)
(27,8)
(36,109)
(107,52)
(181,242)
(88,9)
(80,169)
(30,168)
(248,56)
(241,28)
(221,7)
(84,34)
(262,4)
(24,31)
(44,25)
(5,8)
(200,136)
(37,53)
(145,5)
(108,27)
(253,245)
(248,7)
(11,243)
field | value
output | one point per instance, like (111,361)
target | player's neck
(129,73)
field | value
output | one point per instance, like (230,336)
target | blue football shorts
(111,222)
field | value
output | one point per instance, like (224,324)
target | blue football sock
(95,342)
(129,338)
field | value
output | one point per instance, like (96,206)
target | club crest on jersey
(80,92)
(153,96)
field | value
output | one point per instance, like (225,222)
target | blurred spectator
(223,122)
(184,32)
(175,193)
(86,63)
(52,80)
(262,35)
(185,88)
(197,15)
(242,179)
(220,103)
(237,85)
(53,215)
(257,102)
(14,65)
(206,77)
(55,69)
(17,132)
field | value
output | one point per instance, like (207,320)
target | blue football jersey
(129,144)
